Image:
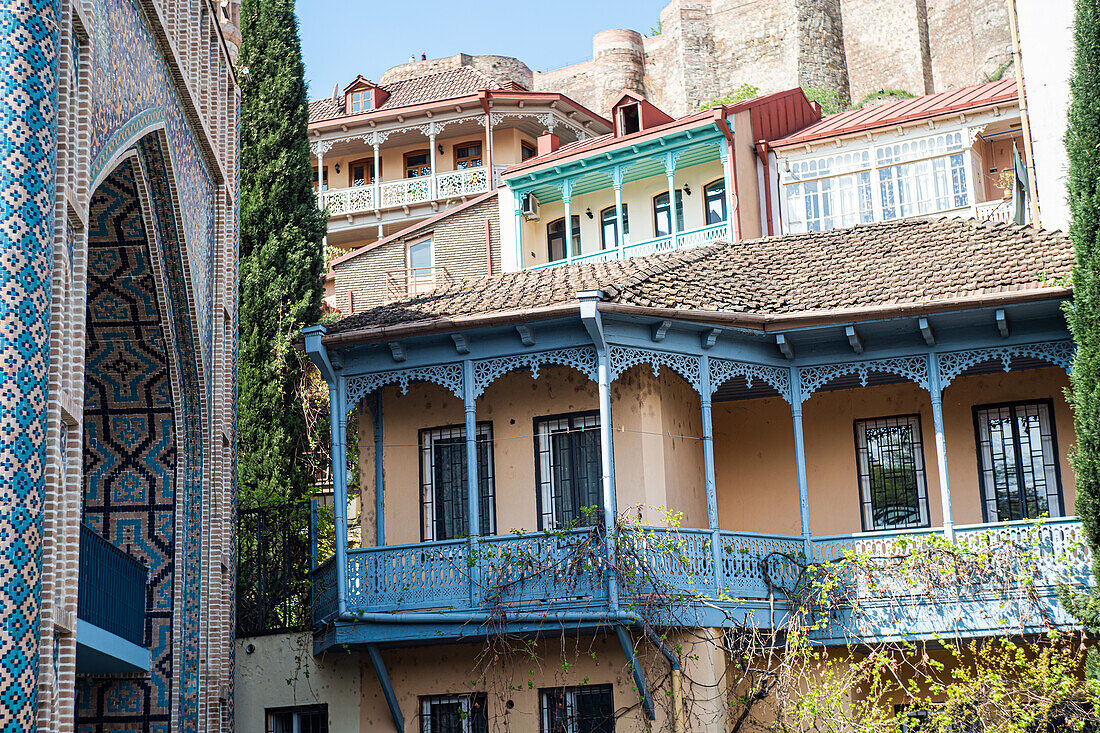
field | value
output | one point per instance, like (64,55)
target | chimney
(547,143)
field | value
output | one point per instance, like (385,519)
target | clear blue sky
(342,39)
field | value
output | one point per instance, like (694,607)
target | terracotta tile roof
(448,84)
(906,110)
(897,263)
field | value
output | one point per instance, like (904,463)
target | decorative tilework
(29,40)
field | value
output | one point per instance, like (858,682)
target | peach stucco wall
(754,450)
(658,448)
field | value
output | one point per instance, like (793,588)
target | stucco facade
(120,281)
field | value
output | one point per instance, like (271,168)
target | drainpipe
(483,98)
(731,173)
(379,476)
(762,153)
(1025,124)
(591,319)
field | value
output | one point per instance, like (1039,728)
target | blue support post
(379,476)
(800,459)
(936,392)
(312,534)
(387,687)
(339,420)
(705,393)
(636,670)
(472,485)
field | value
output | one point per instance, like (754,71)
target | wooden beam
(398,350)
(1002,322)
(853,339)
(926,332)
(660,330)
(526,335)
(710,337)
(785,347)
(462,346)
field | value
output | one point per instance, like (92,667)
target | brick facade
(710,48)
(458,243)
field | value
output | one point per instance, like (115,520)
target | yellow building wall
(637,195)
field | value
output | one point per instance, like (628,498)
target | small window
(418,163)
(324,177)
(1018,457)
(443,496)
(568,469)
(555,238)
(662,224)
(362,172)
(890,462)
(361,101)
(609,227)
(527,150)
(454,713)
(305,719)
(630,119)
(467,155)
(586,709)
(714,202)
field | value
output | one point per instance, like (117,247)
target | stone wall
(710,48)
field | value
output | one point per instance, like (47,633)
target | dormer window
(630,119)
(361,101)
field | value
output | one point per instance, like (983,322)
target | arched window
(418,163)
(555,238)
(362,172)
(714,202)
(609,227)
(662,223)
(467,155)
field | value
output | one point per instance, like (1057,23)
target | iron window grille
(609,227)
(585,709)
(454,713)
(1018,461)
(304,719)
(890,463)
(568,469)
(444,501)
(714,202)
(662,224)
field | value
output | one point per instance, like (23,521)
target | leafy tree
(280,257)
(1083,148)
(743,92)
(830,100)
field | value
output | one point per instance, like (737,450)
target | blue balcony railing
(878,597)
(691,238)
(111,590)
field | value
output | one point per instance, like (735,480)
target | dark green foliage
(1083,148)
(281,259)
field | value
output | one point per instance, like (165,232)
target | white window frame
(420,283)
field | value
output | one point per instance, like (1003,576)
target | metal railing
(111,588)
(413,281)
(407,191)
(274,545)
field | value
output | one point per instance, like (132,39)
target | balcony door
(714,202)
(362,172)
(444,502)
(567,467)
(418,163)
(555,238)
(609,227)
(1018,458)
(662,223)
(467,155)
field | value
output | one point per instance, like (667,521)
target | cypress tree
(280,254)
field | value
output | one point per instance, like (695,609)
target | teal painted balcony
(110,633)
(704,235)
(882,586)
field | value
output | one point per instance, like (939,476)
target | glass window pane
(890,464)
(1019,472)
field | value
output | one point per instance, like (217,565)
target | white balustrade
(462,183)
(350,200)
(406,192)
(999,211)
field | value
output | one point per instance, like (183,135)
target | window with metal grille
(714,201)
(1018,461)
(587,709)
(305,719)
(454,713)
(890,462)
(567,469)
(444,502)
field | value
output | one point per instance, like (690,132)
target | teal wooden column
(800,457)
(705,393)
(936,392)
(617,182)
(472,493)
(338,418)
(724,155)
(670,172)
(567,199)
(379,476)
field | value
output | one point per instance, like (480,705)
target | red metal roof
(906,110)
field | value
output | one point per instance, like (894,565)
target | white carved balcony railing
(462,183)
(406,192)
(999,211)
(349,200)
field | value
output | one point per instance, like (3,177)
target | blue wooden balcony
(529,582)
(110,634)
(719,232)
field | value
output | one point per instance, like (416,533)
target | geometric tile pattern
(129,439)
(29,39)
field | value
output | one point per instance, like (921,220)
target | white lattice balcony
(406,192)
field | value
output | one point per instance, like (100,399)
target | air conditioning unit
(530,207)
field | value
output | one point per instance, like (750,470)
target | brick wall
(458,244)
